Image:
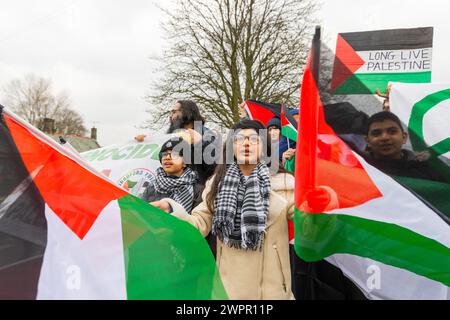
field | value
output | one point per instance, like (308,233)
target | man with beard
(185,119)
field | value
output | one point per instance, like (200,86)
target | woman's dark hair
(221,169)
(190,112)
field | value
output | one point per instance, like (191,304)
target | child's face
(274,133)
(386,139)
(172,163)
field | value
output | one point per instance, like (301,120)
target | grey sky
(98,50)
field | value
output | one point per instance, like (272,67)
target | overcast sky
(98,50)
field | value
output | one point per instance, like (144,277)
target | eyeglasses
(252,139)
(172,154)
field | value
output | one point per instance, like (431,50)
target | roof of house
(81,144)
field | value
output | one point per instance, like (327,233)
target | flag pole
(316,55)
(282,112)
(309,123)
(314,108)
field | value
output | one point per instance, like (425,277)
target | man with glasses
(174,179)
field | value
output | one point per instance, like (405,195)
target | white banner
(425,109)
(132,165)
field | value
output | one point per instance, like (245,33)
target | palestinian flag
(390,242)
(68,233)
(366,61)
(288,124)
(262,111)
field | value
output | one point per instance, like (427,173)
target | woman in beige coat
(247,210)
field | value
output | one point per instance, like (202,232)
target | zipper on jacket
(281,266)
(261,281)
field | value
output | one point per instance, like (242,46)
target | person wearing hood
(287,146)
(274,129)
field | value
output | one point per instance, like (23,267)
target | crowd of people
(243,209)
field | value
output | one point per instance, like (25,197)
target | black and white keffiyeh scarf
(241,208)
(179,189)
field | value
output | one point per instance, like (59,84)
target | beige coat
(254,275)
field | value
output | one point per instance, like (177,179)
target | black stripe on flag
(275,108)
(23,227)
(395,39)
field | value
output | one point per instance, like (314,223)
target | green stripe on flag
(289,132)
(289,165)
(366,83)
(433,192)
(165,258)
(318,236)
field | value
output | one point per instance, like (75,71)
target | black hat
(171,144)
(274,122)
(248,124)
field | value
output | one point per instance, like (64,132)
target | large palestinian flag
(68,233)
(366,61)
(389,241)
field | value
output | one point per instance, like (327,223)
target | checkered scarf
(179,189)
(241,208)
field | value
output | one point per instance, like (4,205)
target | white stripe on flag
(379,281)
(399,206)
(92,268)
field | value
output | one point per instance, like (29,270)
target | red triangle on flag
(76,195)
(346,63)
(284,120)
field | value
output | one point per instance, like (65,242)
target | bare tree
(32,99)
(69,121)
(222,52)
